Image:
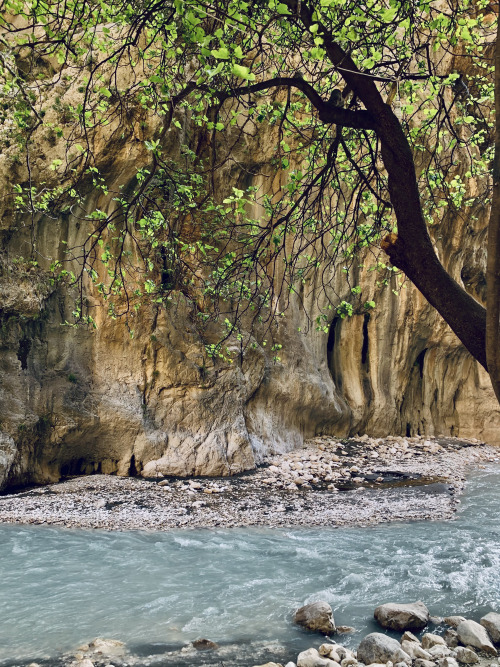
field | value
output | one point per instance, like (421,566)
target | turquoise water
(239,587)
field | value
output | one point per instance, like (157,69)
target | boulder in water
(411,616)
(317,617)
(377,647)
(471,633)
(492,624)
(205,645)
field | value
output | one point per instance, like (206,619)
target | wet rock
(453,621)
(311,658)
(471,633)
(492,624)
(317,617)
(410,637)
(206,645)
(451,638)
(345,629)
(429,640)
(108,647)
(466,656)
(411,616)
(377,647)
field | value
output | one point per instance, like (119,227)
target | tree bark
(493,267)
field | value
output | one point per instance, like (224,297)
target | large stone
(317,617)
(492,624)
(429,640)
(466,656)
(377,647)
(453,621)
(414,650)
(471,633)
(411,616)
(439,651)
(311,658)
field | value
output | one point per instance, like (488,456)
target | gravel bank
(329,482)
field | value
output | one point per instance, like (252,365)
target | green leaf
(283,9)
(242,72)
(220,54)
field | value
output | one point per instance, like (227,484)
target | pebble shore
(328,482)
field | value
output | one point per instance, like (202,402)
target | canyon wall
(79,400)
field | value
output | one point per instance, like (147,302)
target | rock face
(471,633)
(81,401)
(317,617)
(414,616)
(380,648)
(492,624)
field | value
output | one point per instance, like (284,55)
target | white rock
(414,650)
(471,633)
(311,658)
(377,647)
(466,656)
(410,637)
(492,624)
(429,640)
(439,651)
(349,660)
(447,662)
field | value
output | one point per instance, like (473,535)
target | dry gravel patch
(328,482)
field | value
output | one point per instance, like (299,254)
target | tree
(382,113)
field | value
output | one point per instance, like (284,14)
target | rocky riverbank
(328,482)
(452,641)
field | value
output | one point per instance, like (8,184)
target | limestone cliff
(76,400)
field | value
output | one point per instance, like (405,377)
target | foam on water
(60,587)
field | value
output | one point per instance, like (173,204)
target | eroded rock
(311,658)
(317,617)
(492,624)
(471,633)
(411,616)
(377,647)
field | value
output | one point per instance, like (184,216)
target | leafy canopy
(206,216)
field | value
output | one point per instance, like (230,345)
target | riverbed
(238,587)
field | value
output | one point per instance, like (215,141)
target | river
(239,587)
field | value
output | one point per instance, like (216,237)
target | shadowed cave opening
(23,352)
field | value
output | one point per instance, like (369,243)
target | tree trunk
(412,251)
(493,268)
